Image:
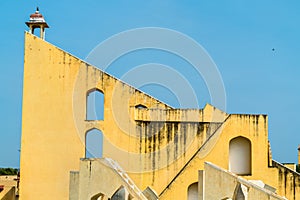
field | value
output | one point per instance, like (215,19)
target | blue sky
(255,45)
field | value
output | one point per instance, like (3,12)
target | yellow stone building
(149,149)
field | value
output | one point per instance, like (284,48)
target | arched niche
(240,156)
(193,191)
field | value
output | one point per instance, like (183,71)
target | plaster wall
(216,150)
(56,85)
(288,181)
(221,184)
(157,146)
(96,177)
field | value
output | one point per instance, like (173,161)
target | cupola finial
(37,20)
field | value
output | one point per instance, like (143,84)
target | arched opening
(93,144)
(240,192)
(141,106)
(99,196)
(240,156)
(95,105)
(120,194)
(193,191)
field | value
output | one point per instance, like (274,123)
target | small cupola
(37,20)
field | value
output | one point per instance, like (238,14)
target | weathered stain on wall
(288,181)
(157,145)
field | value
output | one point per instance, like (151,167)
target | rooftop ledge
(208,114)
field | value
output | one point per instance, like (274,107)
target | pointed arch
(240,157)
(98,196)
(120,194)
(193,191)
(95,104)
(141,106)
(240,192)
(93,143)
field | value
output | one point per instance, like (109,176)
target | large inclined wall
(157,145)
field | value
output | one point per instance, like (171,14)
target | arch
(240,192)
(240,158)
(193,191)
(93,144)
(95,105)
(141,106)
(98,196)
(120,194)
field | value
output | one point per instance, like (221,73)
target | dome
(37,20)
(37,16)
